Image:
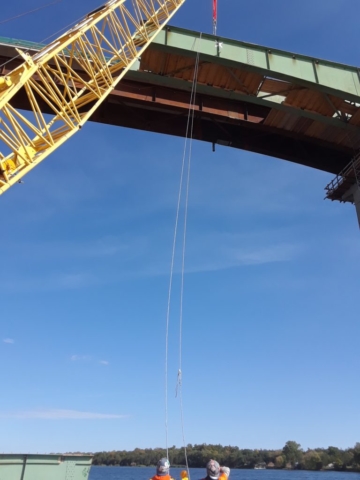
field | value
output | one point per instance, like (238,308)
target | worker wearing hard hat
(215,472)
(162,470)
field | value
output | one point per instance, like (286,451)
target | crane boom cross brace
(71,77)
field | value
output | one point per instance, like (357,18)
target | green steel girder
(329,77)
(319,75)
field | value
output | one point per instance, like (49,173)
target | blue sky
(271,325)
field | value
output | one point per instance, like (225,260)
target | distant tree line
(291,456)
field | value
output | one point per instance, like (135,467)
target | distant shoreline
(348,470)
(290,457)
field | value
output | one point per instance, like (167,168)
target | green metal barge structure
(44,467)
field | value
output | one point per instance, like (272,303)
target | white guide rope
(188,153)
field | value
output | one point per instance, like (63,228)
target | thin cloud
(73,280)
(216,252)
(80,358)
(104,362)
(143,258)
(61,415)
(262,255)
(93,248)
(233,258)
(8,340)
(62,281)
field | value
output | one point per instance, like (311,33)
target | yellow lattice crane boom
(72,75)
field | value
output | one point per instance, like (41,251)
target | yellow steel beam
(72,75)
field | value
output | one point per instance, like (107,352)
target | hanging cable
(188,134)
(214,17)
(29,12)
(63,29)
(192,117)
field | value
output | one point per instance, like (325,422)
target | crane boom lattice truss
(72,76)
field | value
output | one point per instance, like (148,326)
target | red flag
(215,11)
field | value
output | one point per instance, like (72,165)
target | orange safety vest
(162,477)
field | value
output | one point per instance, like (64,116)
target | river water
(145,473)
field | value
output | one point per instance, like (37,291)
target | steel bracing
(342,186)
(268,101)
(250,97)
(69,78)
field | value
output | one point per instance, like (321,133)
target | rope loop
(187,153)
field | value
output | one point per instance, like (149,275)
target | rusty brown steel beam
(214,124)
(218,120)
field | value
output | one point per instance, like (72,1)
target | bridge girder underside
(256,104)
